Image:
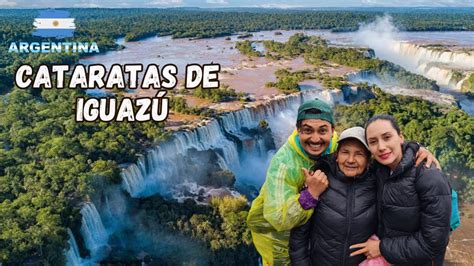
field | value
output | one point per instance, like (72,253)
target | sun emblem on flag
(54,23)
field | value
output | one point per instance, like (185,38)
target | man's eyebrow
(323,126)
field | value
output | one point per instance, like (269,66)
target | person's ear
(403,138)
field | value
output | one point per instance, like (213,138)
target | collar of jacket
(295,143)
(328,164)
(408,161)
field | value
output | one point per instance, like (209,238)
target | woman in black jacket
(414,205)
(346,212)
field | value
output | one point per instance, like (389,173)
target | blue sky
(233,3)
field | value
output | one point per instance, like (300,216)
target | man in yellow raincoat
(284,201)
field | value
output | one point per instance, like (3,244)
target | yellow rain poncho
(277,210)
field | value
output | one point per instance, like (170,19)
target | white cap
(355,133)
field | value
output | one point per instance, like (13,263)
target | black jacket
(414,212)
(346,214)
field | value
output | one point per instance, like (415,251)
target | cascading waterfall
(161,163)
(442,76)
(455,59)
(436,64)
(73,257)
(440,63)
(93,231)
(154,171)
(365,76)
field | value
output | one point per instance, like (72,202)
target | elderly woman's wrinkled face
(352,157)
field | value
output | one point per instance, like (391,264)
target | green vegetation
(220,227)
(222,94)
(447,133)
(49,163)
(246,48)
(287,81)
(457,76)
(179,104)
(468,85)
(329,81)
(263,124)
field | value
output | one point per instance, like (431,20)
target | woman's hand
(316,182)
(370,248)
(424,154)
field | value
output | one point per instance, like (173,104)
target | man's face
(315,136)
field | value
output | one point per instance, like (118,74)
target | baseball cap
(323,111)
(354,133)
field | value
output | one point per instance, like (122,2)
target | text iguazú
(126,76)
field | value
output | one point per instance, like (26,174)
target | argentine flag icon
(54,23)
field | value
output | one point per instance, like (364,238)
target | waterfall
(442,76)
(455,59)
(438,63)
(158,169)
(93,231)
(73,257)
(365,76)
(163,162)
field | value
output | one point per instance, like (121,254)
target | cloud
(86,5)
(414,3)
(219,2)
(275,5)
(7,3)
(167,3)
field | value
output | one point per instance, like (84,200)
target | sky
(232,3)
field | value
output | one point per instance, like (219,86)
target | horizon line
(247,7)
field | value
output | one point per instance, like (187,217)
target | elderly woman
(346,213)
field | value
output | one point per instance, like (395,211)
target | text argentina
(53,47)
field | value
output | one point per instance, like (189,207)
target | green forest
(49,164)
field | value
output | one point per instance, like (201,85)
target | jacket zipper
(349,204)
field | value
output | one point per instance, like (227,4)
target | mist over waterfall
(382,36)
